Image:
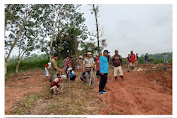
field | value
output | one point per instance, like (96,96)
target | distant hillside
(160,55)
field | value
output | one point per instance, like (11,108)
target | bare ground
(147,91)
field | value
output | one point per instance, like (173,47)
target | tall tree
(95,11)
(16,17)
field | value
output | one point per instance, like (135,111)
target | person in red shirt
(132,61)
(97,65)
(57,85)
(47,70)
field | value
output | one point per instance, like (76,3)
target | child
(57,84)
(71,75)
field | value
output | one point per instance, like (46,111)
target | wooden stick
(91,74)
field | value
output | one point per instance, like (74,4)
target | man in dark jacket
(117,64)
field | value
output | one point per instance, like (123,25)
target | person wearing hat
(88,63)
(70,73)
(79,63)
(57,85)
(104,67)
(54,68)
(117,64)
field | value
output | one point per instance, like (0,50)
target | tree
(95,11)
(71,30)
(16,17)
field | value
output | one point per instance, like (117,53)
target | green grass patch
(25,104)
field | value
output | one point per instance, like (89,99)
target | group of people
(86,66)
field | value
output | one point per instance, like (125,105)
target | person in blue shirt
(70,73)
(104,67)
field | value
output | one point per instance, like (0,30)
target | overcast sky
(141,28)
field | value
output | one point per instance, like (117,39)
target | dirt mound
(143,93)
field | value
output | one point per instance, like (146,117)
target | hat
(89,53)
(63,76)
(69,68)
(55,55)
(80,57)
(106,51)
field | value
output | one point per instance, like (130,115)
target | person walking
(54,68)
(165,57)
(117,65)
(132,61)
(88,63)
(104,67)
(128,63)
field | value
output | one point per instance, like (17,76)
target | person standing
(117,65)
(104,67)
(165,57)
(54,68)
(146,58)
(79,63)
(65,63)
(88,63)
(128,63)
(136,60)
(97,65)
(132,61)
(47,68)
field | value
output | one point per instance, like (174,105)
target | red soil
(147,92)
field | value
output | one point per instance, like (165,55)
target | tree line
(50,28)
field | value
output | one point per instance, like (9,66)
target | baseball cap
(63,76)
(106,51)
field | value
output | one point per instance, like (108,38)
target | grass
(25,104)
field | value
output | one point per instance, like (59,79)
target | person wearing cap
(117,64)
(104,67)
(54,68)
(97,65)
(57,85)
(79,63)
(88,63)
(70,73)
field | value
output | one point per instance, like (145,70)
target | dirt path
(143,93)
